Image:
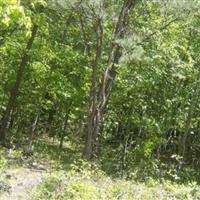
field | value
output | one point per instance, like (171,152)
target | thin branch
(155,32)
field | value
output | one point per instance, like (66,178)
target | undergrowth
(72,177)
(90,183)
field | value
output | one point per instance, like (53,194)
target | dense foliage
(120,79)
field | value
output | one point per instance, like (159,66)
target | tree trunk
(65,127)
(100,100)
(13,117)
(33,127)
(93,123)
(15,89)
(183,146)
(85,38)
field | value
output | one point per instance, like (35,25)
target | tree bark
(15,90)
(93,120)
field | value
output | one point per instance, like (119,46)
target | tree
(100,99)
(15,90)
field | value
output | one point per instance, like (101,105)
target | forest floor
(20,183)
(62,175)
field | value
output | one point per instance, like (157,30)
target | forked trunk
(100,100)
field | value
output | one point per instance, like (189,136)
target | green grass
(71,177)
(94,185)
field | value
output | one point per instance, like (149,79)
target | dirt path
(21,183)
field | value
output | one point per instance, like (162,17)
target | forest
(99,99)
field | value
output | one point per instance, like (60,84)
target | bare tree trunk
(93,123)
(100,100)
(85,37)
(15,89)
(33,127)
